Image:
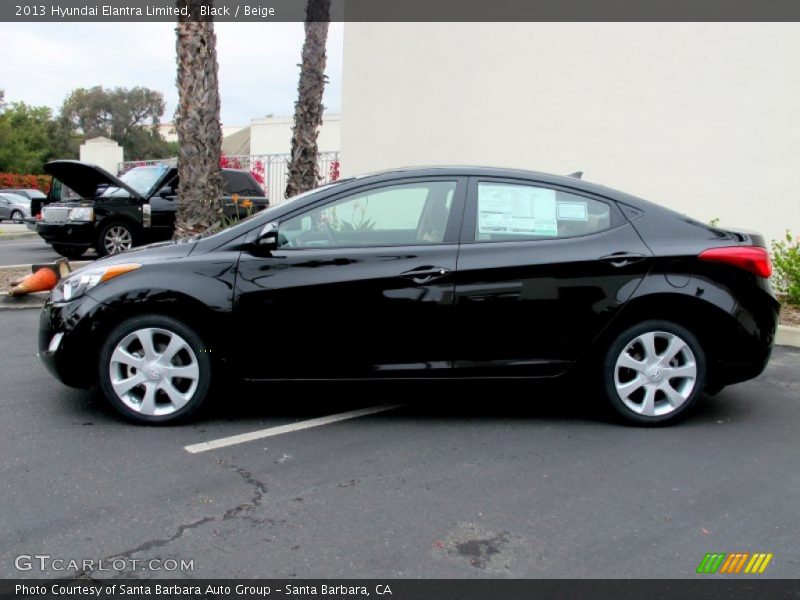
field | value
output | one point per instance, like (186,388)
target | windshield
(141,179)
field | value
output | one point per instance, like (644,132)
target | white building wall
(103,152)
(704,118)
(168,132)
(273,135)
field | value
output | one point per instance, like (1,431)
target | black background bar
(414,10)
(704,587)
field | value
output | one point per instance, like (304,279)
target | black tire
(133,402)
(668,407)
(72,252)
(17,216)
(114,228)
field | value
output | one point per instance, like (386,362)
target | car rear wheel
(17,216)
(654,373)
(155,369)
(69,251)
(114,238)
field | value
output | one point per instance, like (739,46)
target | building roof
(237,144)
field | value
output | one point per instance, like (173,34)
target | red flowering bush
(16,180)
(256,169)
(333,174)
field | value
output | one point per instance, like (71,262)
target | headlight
(81,281)
(83,213)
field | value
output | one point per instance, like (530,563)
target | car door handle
(622,259)
(425,274)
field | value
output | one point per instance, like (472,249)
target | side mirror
(268,237)
(166,192)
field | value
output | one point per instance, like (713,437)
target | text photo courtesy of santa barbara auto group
(408,300)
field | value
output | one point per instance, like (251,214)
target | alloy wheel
(655,373)
(16,216)
(154,371)
(117,239)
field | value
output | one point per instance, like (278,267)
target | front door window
(409,214)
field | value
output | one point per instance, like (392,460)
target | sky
(258,69)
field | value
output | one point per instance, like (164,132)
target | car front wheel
(17,216)
(155,369)
(114,238)
(654,373)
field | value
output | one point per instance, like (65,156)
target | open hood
(85,178)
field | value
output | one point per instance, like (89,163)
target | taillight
(752,259)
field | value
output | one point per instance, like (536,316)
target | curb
(23,235)
(74,263)
(788,336)
(35,300)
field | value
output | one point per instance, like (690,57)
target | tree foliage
(29,137)
(128,116)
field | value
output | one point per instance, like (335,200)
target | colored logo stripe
(711,563)
(758,563)
(734,562)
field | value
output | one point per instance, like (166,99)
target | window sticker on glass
(573,211)
(516,210)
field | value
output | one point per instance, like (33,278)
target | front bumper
(67,234)
(79,325)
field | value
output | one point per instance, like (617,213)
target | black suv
(89,207)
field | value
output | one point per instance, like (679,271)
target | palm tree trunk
(303,169)
(197,124)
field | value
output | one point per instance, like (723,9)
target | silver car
(14,207)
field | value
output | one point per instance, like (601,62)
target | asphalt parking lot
(30,250)
(461,481)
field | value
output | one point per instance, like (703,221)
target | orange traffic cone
(61,267)
(43,280)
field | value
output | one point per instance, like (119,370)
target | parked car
(426,273)
(29,193)
(14,207)
(115,214)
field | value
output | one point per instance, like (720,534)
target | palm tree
(197,124)
(303,169)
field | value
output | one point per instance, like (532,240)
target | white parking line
(281,429)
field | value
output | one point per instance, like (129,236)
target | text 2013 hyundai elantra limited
(426,273)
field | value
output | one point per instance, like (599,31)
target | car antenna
(576,174)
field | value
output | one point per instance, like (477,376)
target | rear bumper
(67,234)
(729,372)
(745,353)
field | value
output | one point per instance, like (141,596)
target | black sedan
(426,273)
